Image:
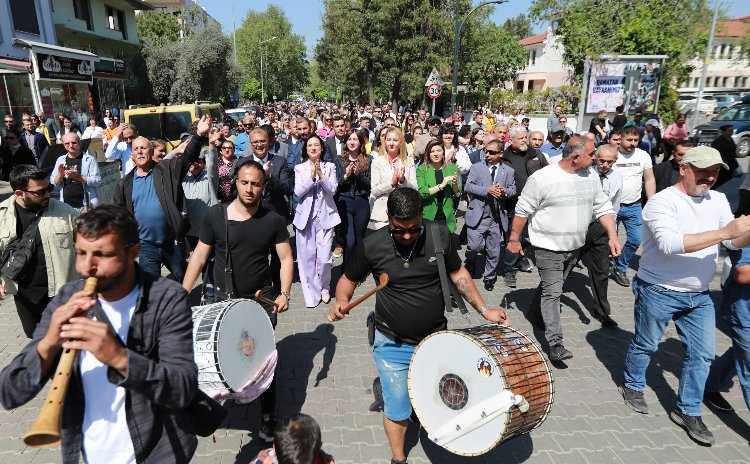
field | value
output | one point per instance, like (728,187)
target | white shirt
(560,206)
(120,151)
(106,438)
(631,168)
(95,132)
(612,186)
(667,218)
(462,160)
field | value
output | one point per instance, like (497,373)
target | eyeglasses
(602,161)
(494,152)
(70,143)
(401,232)
(41,192)
(228,147)
(132,137)
(259,142)
(9,121)
(327,120)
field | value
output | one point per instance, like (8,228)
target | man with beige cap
(682,228)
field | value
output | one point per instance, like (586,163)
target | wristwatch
(482,310)
(288,295)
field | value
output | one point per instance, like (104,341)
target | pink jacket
(674,133)
(318,194)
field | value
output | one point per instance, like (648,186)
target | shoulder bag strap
(445,283)
(228,273)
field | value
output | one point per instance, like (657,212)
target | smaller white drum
(235,349)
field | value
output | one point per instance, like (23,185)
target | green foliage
(668,107)
(744,42)
(518,27)
(157,27)
(196,68)
(317,93)
(538,102)
(385,49)
(285,67)
(250,90)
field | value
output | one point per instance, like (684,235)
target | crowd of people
(382,188)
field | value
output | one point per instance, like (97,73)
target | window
(24,16)
(175,124)
(533,56)
(116,20)
(81,11)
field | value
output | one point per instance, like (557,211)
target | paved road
(326,370)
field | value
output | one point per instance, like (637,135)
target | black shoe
(524,265)
(510,279)
(620,277)
(634,399)
(559,353)
(606,320)
(716,401)
(694,426)
(489,285)
(267,429)
(393,461)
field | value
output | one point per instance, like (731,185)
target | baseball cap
(703,157)
(652,122)
(435,120)
(558,128)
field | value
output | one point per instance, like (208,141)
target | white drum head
(245,340)
(449,374)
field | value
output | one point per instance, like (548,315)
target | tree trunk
(370,87)
(395,92)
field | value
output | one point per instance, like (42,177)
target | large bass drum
(235,349)
(475,388)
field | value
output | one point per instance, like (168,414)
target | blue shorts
(392,360)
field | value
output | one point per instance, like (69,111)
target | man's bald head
(605,158)
(72,144)
(536,139)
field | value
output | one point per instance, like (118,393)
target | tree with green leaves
(285,67)
(518,27)
(157,27)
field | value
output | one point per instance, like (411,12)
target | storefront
(109,83)
(15,87)
(63,80)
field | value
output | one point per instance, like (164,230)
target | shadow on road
(515,450)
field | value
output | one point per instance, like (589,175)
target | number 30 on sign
(434,91)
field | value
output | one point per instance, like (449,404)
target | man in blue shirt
(242,141)
(554,148)
(153,193)
(735,309)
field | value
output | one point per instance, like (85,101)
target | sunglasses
(402,232)
(41,192)
(494,152)
(227,148)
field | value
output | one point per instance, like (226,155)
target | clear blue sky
(305,14)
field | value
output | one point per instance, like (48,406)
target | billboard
(633,84)
(62,68)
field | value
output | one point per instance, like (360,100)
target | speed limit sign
(434,91)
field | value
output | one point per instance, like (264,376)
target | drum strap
(447,286)
(228,273)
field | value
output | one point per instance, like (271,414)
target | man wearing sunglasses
(411,306)
(122,149)
(52,263)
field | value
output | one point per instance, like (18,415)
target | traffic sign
(433,78)
(434,91)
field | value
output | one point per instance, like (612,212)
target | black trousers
(595,256)
(30,312)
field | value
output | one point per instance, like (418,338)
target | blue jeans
(631,217)
(693,315)
(170,253)
(736,360)
(392,360)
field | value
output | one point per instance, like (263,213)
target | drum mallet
(382,282)
(259,295)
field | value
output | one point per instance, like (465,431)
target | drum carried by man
(410,308)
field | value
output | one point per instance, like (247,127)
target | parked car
(738,116)
(687,103)
(724,101)
(236,115)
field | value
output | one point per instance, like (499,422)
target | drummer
(253,231)
(411,306)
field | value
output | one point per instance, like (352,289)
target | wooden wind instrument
(45,433)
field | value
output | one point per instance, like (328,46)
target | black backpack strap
(228,273)
(446,285)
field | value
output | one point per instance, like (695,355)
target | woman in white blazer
(315,184)
(392,167)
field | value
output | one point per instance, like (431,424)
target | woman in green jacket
(440,186)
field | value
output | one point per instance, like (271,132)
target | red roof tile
(534,39)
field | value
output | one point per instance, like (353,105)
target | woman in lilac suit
(315,184)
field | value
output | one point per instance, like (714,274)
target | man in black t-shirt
(253,232)
(411,306)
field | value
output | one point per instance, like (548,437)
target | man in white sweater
(560,201)
(683,226)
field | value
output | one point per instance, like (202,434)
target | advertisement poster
(634,85)
(61,68)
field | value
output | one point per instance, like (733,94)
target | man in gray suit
(489,185)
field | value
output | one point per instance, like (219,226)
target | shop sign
(61,68)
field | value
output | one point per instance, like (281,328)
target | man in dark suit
(278,186)
(33,140)
(489,185)
(335,143)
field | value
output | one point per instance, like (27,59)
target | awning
(39,47)
(12,64)
(62,64)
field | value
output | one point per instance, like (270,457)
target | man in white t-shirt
(636,170)
(134,378)
(559,202)
(683,226)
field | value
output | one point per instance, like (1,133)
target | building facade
(545,67)
(726,73)
(190,14)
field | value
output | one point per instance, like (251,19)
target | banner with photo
(633,84)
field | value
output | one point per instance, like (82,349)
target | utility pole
(702,83)
(262,88)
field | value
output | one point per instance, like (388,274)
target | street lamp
(457,45)
(262,89)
